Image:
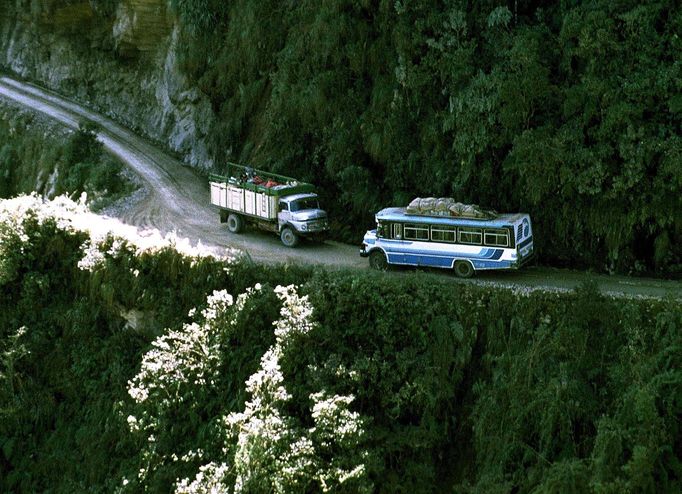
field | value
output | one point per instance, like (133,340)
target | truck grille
(317,225)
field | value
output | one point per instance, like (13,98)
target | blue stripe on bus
(491,264)
(488,252)
(485,253)
(525,242)
(484,259)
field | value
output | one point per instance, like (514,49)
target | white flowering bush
(15,216)
(177,376)
(263,447)
(209,480)
(209,408)
(274,452)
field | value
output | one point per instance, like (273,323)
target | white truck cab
(301,214)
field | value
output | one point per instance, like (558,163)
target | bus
(463,244)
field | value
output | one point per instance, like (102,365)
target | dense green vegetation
(36,158)
(439,387)
(570,111)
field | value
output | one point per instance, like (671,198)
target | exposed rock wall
(124,63)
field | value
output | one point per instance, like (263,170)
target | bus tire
(377,260)
(464,269)
(289,237)
(235,223)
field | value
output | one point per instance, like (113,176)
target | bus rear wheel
(464,269)
(289,237)
(377,260)
(235,223)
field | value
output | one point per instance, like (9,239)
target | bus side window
(397,231)
(472,236)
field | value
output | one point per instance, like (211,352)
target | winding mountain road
(177,200)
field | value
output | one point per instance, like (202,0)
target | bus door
(396,248)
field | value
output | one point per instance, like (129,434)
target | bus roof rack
(446,206)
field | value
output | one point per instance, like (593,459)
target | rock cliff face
(123,62)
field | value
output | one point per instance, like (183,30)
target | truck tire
(235,223)
(289,237)
(377,260)
(464,269)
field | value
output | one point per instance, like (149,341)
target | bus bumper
(524,260)
(363,251)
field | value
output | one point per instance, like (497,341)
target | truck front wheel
(289,237)
(235,223)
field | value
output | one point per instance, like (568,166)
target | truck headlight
(304,227)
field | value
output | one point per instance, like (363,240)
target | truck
(275,203)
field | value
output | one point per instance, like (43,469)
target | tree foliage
(33,158)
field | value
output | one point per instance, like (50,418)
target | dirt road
(177,200)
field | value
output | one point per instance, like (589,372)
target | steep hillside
(119,57)
(133,364)
(568,111)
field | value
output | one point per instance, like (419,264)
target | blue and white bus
(505,241)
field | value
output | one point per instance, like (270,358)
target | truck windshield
(301,204)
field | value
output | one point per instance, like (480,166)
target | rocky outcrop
(124,63)
(140,25)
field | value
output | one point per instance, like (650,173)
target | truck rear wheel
(235,223)
(289,237)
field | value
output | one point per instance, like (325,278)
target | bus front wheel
(377,260)
(464,269)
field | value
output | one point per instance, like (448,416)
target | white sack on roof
(447,206)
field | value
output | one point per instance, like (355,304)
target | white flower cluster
(176,358)
(209,480)
(177,370)
(333,417)
(295,315)
(271,449)
(92,256)
(189,355)
(261,428)
(218,302)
